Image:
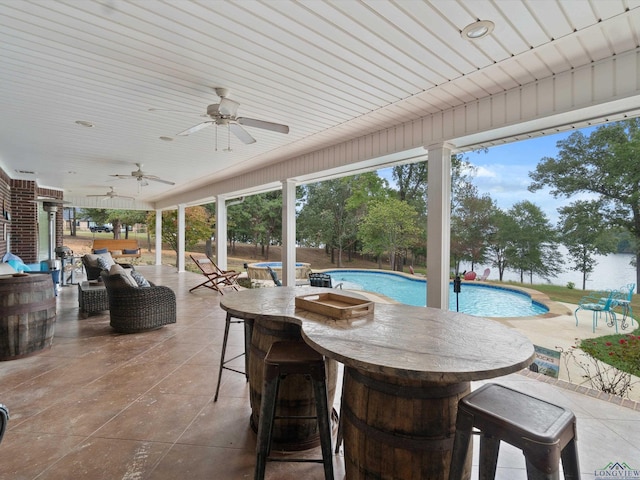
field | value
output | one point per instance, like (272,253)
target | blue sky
(503,172)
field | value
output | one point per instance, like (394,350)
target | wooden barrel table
(389,420)
(295,394)
(406,368)
(27,315)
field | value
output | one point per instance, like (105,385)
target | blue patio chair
(623,300)
(599,303)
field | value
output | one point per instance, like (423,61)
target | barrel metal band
(31,307)
(395,440)
(408,391)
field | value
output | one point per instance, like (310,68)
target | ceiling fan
(111,194)
(142,177)
(224,114)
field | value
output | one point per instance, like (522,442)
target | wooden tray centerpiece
(334,305)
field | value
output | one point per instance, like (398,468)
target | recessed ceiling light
(84,123)
(166,139)
(477,30)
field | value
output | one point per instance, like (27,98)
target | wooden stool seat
(546,433)
(292,358)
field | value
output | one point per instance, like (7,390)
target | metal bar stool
(546,433)
(248,330)
(292,358)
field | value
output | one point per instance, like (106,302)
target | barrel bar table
(405,370)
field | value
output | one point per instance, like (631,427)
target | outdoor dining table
(405,369)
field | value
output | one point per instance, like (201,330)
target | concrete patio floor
(99,405)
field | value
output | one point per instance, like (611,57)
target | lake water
(612,271)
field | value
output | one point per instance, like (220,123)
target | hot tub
(258,271)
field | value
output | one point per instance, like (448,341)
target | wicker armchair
(136,309)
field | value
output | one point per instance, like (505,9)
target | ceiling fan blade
(156,179)
(228,107)
(123,177)
(176,111)
(241,133)
(252,122)
(195,128)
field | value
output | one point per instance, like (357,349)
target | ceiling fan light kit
(224,114)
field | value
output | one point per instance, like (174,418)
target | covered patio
(101,405)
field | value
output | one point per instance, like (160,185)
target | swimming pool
(478,300)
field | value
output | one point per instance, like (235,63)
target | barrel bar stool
(546,433)
(292,358)
(248,330)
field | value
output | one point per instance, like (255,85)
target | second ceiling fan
(224,114)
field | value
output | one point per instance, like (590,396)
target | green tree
(117,218)
(389,226)
(197,227)
(499,240)
(533,248)
(257,220)
(585,233)
(471,220)
(412,186)
(606,165)
(332,209)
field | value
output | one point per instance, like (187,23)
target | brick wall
(17,197)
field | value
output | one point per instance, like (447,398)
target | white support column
(221,232)
(158,237)
(289,232)
(181,230)
(438,225)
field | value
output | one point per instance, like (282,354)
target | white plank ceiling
(330,70)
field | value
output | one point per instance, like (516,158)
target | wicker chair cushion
(121,277)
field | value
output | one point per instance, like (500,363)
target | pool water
(478,300)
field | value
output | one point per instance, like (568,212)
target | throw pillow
(123,274)
(130,251)
(103,263)
(100,250)
(140,280)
